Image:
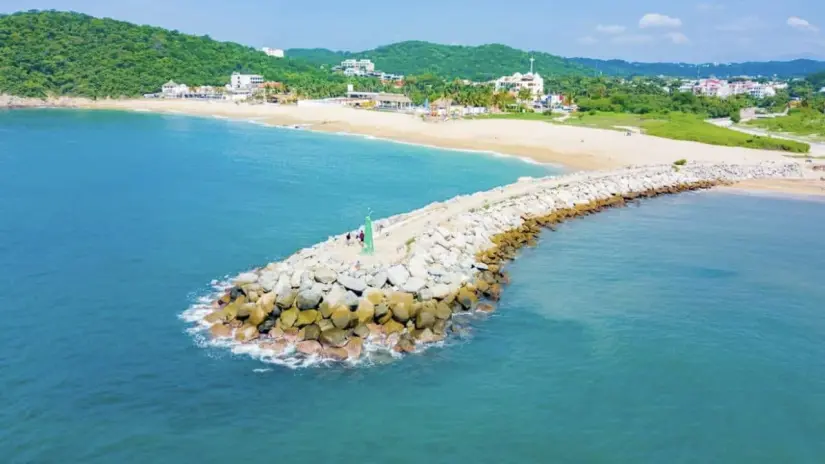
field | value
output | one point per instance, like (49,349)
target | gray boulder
(352,283)
(308,299)
(325,275)
(379,279)
(398,275)
(351,300)
(440,291)
(414,284)
(335,296)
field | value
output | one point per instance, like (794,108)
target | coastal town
(527,91)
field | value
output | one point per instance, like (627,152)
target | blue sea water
(688,329)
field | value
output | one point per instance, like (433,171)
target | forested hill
(479,63)
(486,62)
(794,68)
(48,53)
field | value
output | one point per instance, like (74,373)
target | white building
(174,90)
(276,52)
(518,81)
(240,81)
(357,67)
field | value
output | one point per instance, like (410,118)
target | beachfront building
(723,89)
(174,90)
(273,52)
(532,81)
(380,100)
(240,81)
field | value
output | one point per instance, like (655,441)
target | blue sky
(641,30)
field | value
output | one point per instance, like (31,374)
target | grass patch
(680,162)
(804,122)
(690,127)
(682,126)
(603,120)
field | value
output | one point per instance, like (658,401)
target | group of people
(359,236)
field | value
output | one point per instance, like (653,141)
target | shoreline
(331,302)
(563,147)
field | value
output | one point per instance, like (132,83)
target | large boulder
(352,283)
(354,347)
(335,353)
(443,311)
(268,280)
(312,332)
(335,337)
(398,275)
(256,316)
(341,317)
(379,279)
(365,311)
(283,285)
(286,299)
(325,324)
(380,310)
(245,310)
(392,326)
(219,315)
(351,300)
(425,319)
(308,299)
(425,336)
(406,344)
(375,296)
(485,307)
(246,333)
(289,317)
(325,275)
(361,330)
(335,296)
(401,312)
(245,278)
(401,297)
(267,302)
(467,298)
(307,317)
(309,347)
(266,325)
(413,284)
(220,331)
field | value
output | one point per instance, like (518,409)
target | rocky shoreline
(330,302)
(12,102)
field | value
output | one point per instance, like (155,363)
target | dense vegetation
(486,62)
(480,63)
(45,53)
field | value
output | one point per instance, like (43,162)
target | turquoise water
(686,330)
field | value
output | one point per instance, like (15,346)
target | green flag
(369,246)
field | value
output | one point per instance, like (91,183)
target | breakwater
(332,302)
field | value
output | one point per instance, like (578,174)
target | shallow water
(685,330)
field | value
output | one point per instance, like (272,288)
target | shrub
(680,162)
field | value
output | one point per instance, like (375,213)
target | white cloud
(659,20)
(677,37)
(632,39)
(747,23)
(610,29)
(587,40)
(801,24)
(709,6)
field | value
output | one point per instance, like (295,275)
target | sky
(636,30)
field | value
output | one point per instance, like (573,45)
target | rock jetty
(330,301)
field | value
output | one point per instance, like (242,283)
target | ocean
(687,329)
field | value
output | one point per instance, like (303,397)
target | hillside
(794,68)
(480,63)
(486,62)
(74,54)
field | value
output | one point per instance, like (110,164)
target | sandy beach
(576,148)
